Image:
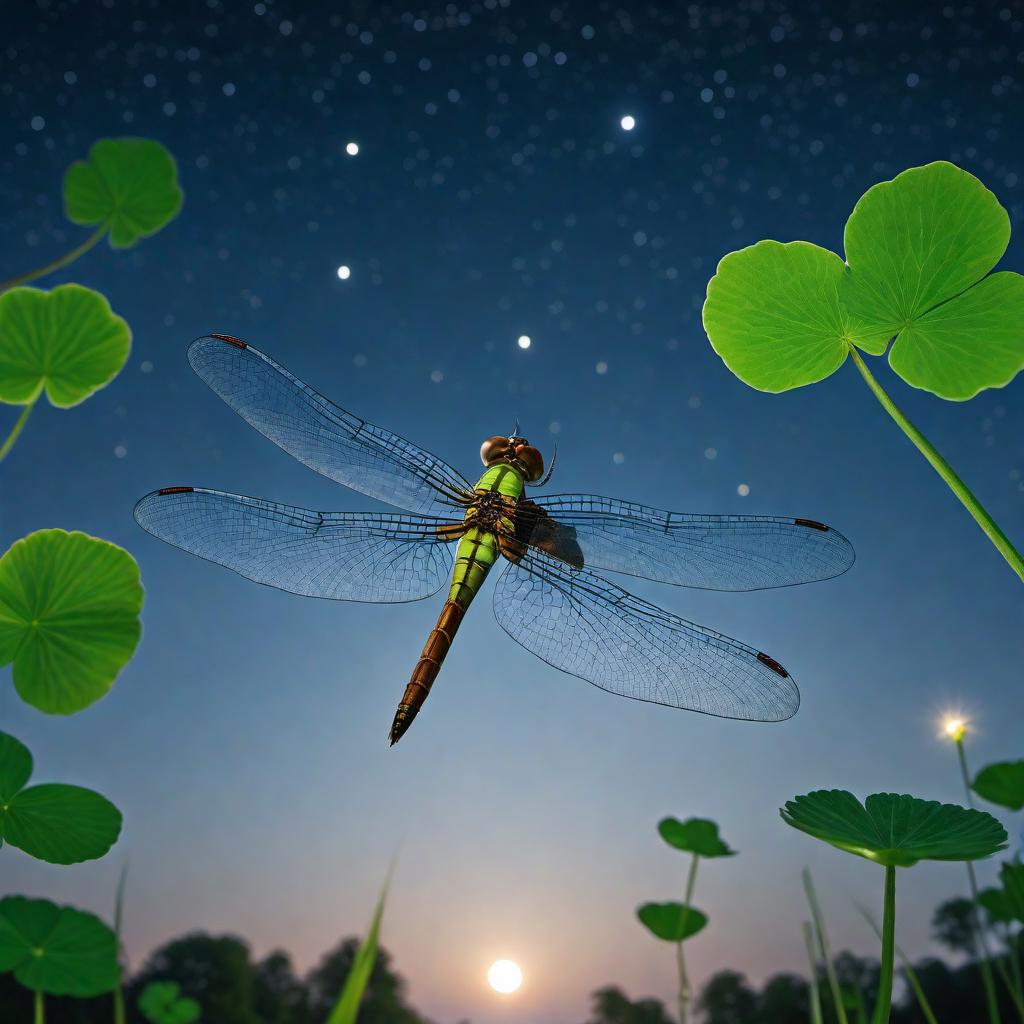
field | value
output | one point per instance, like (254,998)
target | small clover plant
(57,951)
(918,249)
(161,1002)
(60,824)
(894,831)
(67,343)
(69,617)
(676,922)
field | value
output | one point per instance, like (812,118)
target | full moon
(505,976)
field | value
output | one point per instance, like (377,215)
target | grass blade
(826,950)
(346,1008)
(815,994)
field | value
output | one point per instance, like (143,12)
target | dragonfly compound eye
(494,449)
(532,461)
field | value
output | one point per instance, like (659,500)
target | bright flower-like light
(344,272)
(628,123)
(524,341)
(352,148)
(954,727)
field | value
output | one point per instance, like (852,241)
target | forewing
(322,435)
(706,551)
(588,627)
(339,555)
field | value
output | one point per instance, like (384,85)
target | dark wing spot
(231,341)
(766,659)
(812,524)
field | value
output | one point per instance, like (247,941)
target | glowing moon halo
(504,976)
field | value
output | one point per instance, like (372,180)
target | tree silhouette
(610,1005)
(726,998)
(953,926)
(214,970)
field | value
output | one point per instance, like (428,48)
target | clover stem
(883,1001)
(39,1016)
(60,261)
(987,981)
(815,994)
(16,429)
(908,970)
(826,949)
(943,468)
(684,981)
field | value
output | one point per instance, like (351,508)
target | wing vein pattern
(343,556)
(590,628)
(324,436)
(714,552)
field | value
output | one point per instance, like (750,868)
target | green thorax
(504,479)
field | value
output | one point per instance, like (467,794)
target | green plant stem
(826,949)
(912,979)
(883,1001)
(60,261)
(943,468)
(39,1017)
(119,1013)
(815,994)
(16,429)
(987,981)
(684,980)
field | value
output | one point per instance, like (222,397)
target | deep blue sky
(495,194)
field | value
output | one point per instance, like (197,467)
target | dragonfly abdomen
(476,554)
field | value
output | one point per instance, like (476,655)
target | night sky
(495,194)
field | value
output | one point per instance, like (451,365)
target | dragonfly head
(516,451)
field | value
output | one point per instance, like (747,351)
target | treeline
(956,995)
(232,988)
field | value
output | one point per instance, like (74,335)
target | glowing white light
(344,272)
(743,490)
(504,976)
(352,148)
(524,341)
(601,367)
(628,123)
(954,727)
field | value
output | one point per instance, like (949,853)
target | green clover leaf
(774,316)
(129,185)
(69,617)
(695,835)
(894,830)
(671,922)
(57,823)
(1002,784)
(56,950)
(161,1002)
(66,342)
(917,251)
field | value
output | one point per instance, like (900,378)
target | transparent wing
(711,552)
(588,627)
(345,556)
(322,435)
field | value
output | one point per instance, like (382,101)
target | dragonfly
(552,596)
